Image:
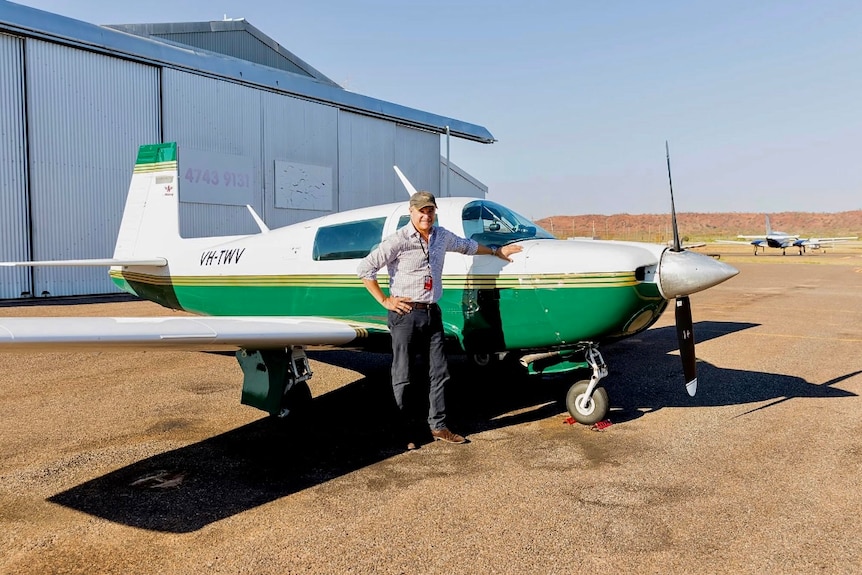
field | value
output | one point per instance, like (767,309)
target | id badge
(428,283)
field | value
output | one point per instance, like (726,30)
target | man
(414,258)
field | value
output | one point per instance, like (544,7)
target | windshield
(492,224)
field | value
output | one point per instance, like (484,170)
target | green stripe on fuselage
(487,313)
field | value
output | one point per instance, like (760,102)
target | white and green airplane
(270,295)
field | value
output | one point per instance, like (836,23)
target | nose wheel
(586,401)
(587,409)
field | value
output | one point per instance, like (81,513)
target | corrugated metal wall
(417,155)
(299,131)
(366,153)
(215,116)
(367,150)
(14,223)
(87,114)
(461,183)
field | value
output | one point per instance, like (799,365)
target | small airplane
(270,295)
(777,239)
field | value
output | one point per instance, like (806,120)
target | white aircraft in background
(777,239)
(268,295)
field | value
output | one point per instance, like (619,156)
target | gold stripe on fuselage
(537,281)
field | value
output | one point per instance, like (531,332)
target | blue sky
(761,101)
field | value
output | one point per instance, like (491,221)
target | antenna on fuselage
(257,219)
(410,189)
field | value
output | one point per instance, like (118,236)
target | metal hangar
(255,125)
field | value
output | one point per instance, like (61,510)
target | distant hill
(703,226)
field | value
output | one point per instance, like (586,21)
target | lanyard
(426,252)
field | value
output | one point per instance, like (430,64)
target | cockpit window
(490,223)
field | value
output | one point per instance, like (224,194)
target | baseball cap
(421,200)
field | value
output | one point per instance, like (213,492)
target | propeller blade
(685,335)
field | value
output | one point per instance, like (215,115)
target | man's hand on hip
(397,304)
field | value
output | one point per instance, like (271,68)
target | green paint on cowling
(481,320)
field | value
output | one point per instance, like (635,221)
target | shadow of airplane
(353,427)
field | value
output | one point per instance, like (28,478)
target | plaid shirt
(409,260)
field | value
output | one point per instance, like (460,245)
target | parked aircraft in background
(777,239)
(268,295)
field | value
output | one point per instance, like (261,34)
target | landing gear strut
(586,401)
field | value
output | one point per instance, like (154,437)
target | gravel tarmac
(145,462)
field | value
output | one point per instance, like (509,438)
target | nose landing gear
(586,400)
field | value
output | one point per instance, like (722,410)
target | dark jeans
(417,342)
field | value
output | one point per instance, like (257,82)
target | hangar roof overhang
(235,37)
(30,22)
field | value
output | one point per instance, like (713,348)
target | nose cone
(685,273)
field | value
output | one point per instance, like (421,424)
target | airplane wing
(187,333)
(734,242)
(817,241)
(753,241)
(688,246)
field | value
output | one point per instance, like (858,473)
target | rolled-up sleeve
(455,243)
(374,261)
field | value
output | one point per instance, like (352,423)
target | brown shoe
(447,436)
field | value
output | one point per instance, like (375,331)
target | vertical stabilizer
(768,226)
(151,217)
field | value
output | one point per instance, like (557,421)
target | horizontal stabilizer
(155,262)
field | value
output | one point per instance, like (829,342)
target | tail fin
(768,227)
(151,217)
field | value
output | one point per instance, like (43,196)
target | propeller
(684,329)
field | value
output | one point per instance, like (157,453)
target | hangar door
(14,236)
(87,114)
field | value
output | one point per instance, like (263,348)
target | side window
(352,240)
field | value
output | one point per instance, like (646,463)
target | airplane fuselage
(269,295)
(554,294)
